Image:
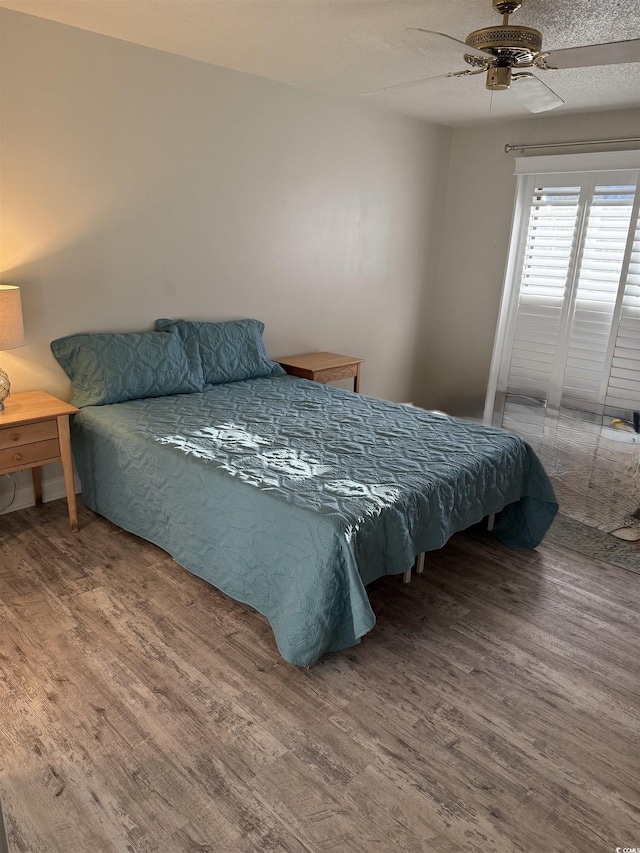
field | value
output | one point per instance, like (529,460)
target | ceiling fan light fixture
(499,78)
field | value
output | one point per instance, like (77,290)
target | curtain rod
(508,148)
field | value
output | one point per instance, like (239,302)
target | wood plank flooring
(493,708)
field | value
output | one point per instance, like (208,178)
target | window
(566,367)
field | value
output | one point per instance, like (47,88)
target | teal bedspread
(291,496)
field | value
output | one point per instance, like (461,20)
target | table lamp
(11,330)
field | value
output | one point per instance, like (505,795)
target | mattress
(292,496)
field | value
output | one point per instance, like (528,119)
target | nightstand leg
(36,476)
(356,380)
(67,466)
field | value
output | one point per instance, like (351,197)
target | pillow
(230,351)
(111,368)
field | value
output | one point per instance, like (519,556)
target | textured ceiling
(350,47)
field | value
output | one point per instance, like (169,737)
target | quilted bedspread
(291,496)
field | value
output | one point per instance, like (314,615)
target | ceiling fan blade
(451,43)
(609,53)
(409,83)
(534,94)
(404,85)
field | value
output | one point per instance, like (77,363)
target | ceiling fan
(503,50)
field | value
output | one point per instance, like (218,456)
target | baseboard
(52,490)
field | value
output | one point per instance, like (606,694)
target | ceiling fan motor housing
(517,46)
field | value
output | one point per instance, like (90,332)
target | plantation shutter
(566,369)
(623,385)
(547,264)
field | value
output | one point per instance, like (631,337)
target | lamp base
(5,388)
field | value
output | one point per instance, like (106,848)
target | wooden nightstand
(34,431)
(324,367)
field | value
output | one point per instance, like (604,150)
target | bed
(293,496)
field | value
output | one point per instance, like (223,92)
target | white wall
(460,325)
(136,184)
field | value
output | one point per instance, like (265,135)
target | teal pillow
(111,368)
(230,351)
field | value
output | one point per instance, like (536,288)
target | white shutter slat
(626,348)
(619,384)
(531,356)
(533,343)
(619,406)
(589,352)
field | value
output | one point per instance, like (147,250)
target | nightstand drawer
(28,433)
(26,454)
(333,373)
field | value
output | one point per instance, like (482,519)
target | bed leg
(420,563)
(406,577)
(491,520)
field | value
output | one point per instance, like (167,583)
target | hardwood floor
(493,708)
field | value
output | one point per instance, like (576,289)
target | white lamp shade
(11,328)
